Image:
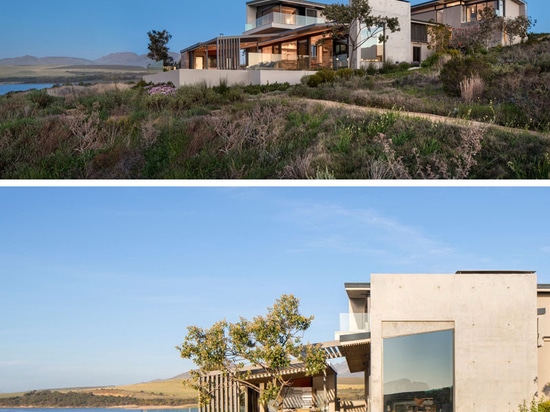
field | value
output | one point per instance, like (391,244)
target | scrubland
(485,116)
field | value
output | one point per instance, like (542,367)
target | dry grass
(165,389)
(471,88)
(23,72)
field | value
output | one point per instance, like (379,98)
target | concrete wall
(495,332)
(543,301)
(398,47)
(232,77)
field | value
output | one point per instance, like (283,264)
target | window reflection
(418,372)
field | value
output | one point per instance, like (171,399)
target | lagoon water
(6,88)
(93,410)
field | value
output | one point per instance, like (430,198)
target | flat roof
(494,272)
(443,2)
(296,2)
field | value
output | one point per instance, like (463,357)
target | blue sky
(98,284)
(94,29)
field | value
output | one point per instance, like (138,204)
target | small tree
(270,343)
(355,24)
(158,51)
(518,27)
(439,36)
(489,23)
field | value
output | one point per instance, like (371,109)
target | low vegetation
(77,399)
(484,115)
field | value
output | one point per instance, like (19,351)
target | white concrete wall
(232,77)
(398,47)
(495,335)
(512,8)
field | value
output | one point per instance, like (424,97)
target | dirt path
(414,115)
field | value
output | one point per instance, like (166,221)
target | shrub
(327,75)
(388,67)
(404,66)
(314,80)
(41,98)
(459,68)
(345,73)
(371,69)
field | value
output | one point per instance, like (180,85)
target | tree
(518,27)
(439,36)
(355,24)
(158,51)
(270,343)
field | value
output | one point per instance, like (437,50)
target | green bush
(345,73)
(314,80)
(327,75)
(459,68)
(404,66)
(41,98)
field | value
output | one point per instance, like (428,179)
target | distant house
(285,39)
(460,14)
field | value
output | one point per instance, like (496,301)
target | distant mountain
(342,370)
(44,61)
(405,385)
(124,59)
(113,59)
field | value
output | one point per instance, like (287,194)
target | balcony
(353,324)
(283,20)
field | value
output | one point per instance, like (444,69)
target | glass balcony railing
(283,18)
(354,322)
(263,61)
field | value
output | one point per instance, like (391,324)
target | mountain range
(113,59)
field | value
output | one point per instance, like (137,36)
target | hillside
(113,59)
(392,123)
(166,393)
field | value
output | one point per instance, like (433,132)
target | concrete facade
(499,328)
(232,77)
(543,343)
(398,47)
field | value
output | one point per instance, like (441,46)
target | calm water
(6,88)
(92,410)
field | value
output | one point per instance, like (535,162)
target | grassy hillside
(69,74)
(395,123)
(165,393)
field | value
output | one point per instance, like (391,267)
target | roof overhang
(357,290)
(354,347)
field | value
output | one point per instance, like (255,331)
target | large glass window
(472,12)
(418,372)
(372,50)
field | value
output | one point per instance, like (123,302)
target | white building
(470,341)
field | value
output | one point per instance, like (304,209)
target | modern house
(469,341)
(465,14)
(286,39)
(305,393)
(473,340)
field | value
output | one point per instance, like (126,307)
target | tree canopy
(356,24)
(158,49)
(270,343)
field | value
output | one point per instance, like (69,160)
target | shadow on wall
(546,390)
(353,406)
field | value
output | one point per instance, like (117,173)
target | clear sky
(94,29)
(98,284)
